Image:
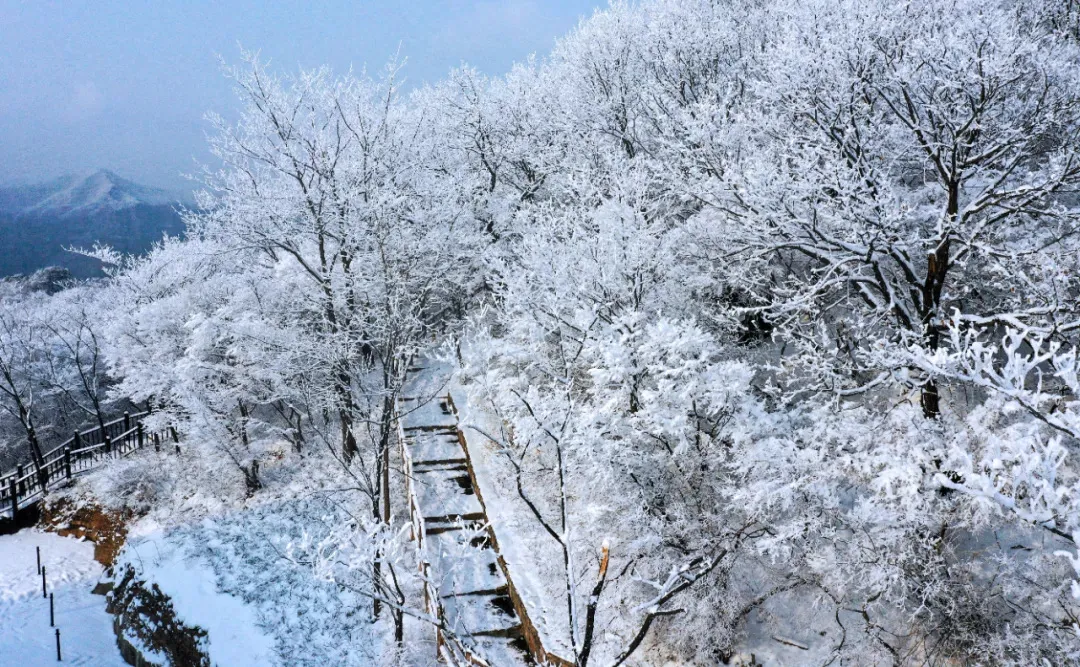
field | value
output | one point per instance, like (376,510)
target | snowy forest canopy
(769,297)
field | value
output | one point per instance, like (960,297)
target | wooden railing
(84,451)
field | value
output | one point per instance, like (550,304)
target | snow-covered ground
(233,631)
(244,574)
(86,631)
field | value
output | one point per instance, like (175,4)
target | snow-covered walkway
(471,586)
(86,632)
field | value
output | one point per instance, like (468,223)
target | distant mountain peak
(82,194)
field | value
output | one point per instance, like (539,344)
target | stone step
(446,428)
(429,449)
(442,464)
(446,492)
(464,563)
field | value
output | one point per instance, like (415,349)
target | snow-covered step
(446,522)
(417,412)
(465,563)
(427,448)
(458,466)
(491,615)
(502,650)
(441,494)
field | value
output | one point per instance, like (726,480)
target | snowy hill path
(85,628)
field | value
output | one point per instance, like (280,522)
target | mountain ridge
(82,194)
(39,221)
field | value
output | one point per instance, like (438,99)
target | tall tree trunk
(31,435)
(376,570)
(382,497)
(937,268)
(251,473)
(345,414)
(386,427)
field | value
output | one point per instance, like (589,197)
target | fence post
(67,461)
(157,442)
(44,594)
(172,431)
(127,422)
(58,659)
(139,434)
(13,491)
(108,445)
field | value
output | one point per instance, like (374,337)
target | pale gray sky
(125,85)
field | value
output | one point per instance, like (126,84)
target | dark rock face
(106,528)
(145,614)
(50,280)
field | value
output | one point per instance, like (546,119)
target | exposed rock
(145,618)
(106,528)
(50,280)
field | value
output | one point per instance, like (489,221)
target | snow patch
(85,627)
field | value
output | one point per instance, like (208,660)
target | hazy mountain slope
(38,221)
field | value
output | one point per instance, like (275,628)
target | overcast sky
(125,85)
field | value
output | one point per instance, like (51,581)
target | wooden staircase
(467,589)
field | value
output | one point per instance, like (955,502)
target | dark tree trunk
(937,269)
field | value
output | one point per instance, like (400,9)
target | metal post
(139,434)
(58,658)
(38,549)
(44,592)
(67,462)
(52,613)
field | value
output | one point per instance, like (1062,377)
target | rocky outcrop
(147,628)
(106,528)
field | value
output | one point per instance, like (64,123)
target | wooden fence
(84,451)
